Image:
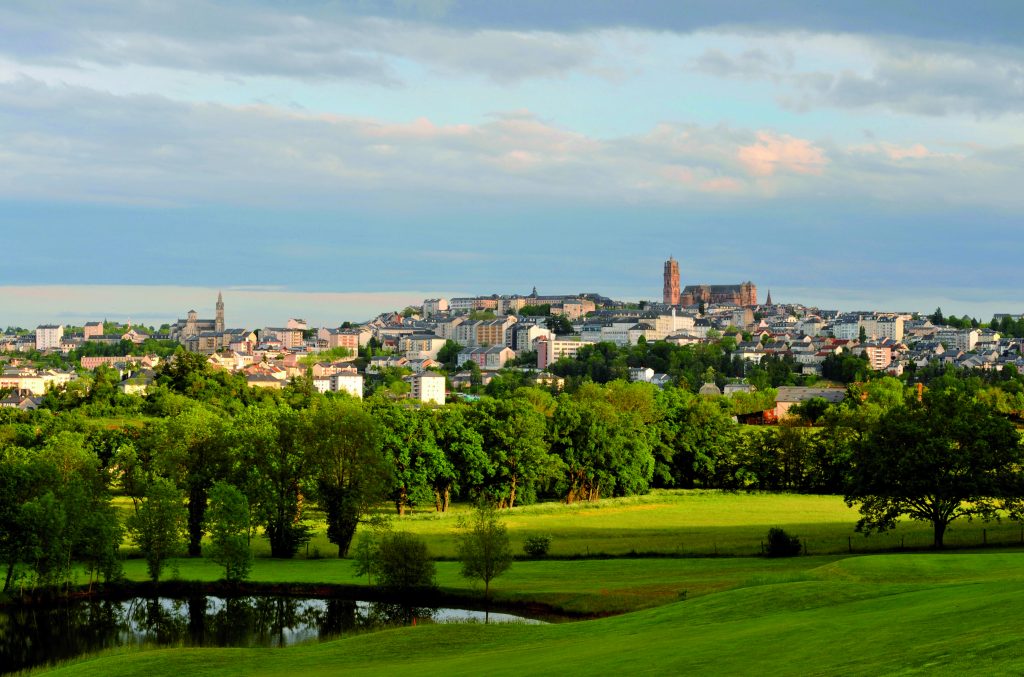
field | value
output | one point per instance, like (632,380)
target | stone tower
(670,292)
(218,324)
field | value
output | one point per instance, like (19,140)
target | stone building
(670,291)
(192,325)
(743,294)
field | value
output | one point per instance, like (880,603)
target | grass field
(681,523)
(896,613)
(919,613)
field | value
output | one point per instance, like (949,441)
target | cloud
(773,153)
(928,81)
(849,71)
(303,42)
(750,64)
(79,145)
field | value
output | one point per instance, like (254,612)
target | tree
(402,563)
(559,324)
(407,440)
(273,465)
(227,520)
(448,355)
(463,465)
(351,473)
(157,527)
(483,546)
(935,461)
(191,449)
(514,436)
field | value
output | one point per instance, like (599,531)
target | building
(787,396)
(48,336)
(879,355)
(418,346)
(434,307)
(670,290)
(348,382)
(550,351)
(428,386)
(289,337)
(743,294)
(192,325)
(92,329)
(487,358)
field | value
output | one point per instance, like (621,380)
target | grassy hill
(955,613)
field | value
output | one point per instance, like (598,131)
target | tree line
(260,464)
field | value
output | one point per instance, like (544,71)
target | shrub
(781,544)
(537,546)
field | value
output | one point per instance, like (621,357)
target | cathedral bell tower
(219,322)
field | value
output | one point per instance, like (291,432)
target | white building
(48,336)
(434,306)
(349,382)
(884,326)
(550,351)
(428,386)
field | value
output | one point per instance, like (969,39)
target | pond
(38,634)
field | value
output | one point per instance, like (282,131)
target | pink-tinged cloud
(916,151)
(420,128)
(774,153)
(677,174)
(722,184)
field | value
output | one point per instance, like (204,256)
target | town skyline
(156,305)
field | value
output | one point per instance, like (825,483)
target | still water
(35,635)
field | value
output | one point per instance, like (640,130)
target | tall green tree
(465,466)
(483,546)
(407,439)
(937,460)
(192,449)
(227,520)
(158,526)
(514,434)
(350,470)
(273,464)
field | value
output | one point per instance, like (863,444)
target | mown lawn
(919,613)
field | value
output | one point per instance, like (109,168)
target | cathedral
(192,326)
(743,294)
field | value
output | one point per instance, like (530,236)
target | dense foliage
(203,440)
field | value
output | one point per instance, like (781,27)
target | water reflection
(34,635)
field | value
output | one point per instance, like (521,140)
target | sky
(336,159)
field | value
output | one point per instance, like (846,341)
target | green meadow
(954,612)
(678,523)
(919,613)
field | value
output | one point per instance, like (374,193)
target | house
(137,384)
(264,381)
(491,358)
(22,402)
(787,396)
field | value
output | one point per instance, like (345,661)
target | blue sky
(350,154)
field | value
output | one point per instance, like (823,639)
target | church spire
(768,301)
(218,324)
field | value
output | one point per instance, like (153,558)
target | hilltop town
(447,346)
